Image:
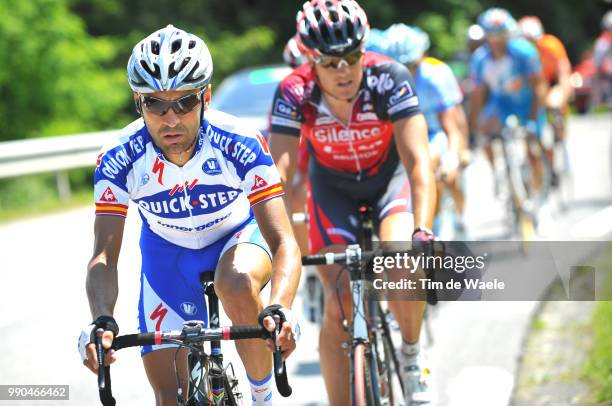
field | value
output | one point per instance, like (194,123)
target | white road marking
(595,226)
(481,386)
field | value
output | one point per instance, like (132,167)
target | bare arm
(284,150)
(477,100)
(286,265)
(101,283)
(412,146)
(454,128)
(540,88)
(450,122)
(565,71)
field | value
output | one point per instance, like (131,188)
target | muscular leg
(434,159)
(408,313)
(334,359)
(241,273)
(162,377)
(490,127)
(537,166)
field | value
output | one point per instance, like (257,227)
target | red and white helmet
(332,27)
(293,54)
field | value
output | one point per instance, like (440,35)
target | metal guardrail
(53,154)
(59,154)
(27,157)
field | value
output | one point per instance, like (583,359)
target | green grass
(33,195)
(598,367)
(538,325)
(51,205)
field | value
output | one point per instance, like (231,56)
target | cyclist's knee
(162,377)
(336,311)
(239,297)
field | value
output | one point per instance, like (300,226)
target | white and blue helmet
(406,44)
(376,41)
(169,59)
(497,21)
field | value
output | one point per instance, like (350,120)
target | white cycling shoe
(417,382)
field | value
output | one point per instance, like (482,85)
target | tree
(54,77)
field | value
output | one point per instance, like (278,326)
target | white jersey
(197,204)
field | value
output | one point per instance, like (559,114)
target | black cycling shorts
(334,199)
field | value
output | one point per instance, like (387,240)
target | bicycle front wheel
(362,389)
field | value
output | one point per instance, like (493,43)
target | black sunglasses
(180,106)
(337,62)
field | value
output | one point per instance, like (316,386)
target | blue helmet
(376,41)
(497,21)
(406,44)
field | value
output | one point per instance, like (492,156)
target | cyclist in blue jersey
(208,195)
(440,99)
(508,80)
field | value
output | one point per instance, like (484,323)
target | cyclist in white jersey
(207,192)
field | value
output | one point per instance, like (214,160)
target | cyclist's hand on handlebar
(290,328)
(87,348)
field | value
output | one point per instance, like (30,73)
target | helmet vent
(155,48)
(155,73)
(192,44)
(193,71)
(176,45)
(171,71)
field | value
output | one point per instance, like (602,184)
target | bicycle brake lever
(278,357)
(100,353)
(280,371)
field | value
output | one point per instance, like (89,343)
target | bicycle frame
(217,387)
(193,335)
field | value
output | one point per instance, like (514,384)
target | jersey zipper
(347,127)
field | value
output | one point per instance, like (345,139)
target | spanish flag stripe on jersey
(109,208)
(269,192)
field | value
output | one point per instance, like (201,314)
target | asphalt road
(477,344)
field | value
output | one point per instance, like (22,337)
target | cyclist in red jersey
(365,135)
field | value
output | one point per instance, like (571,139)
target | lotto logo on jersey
(381,83)
(258,183)
(284,109)
(402,93)
(108,196)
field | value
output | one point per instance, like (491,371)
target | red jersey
(386,94)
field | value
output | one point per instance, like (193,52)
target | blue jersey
(195,205)
(507,78)
(438,91)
